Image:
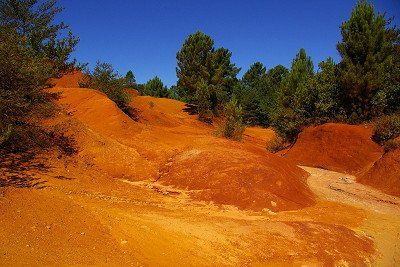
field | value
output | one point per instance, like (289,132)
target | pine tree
(255,88)
(34,21)
(202,66)
(297,93)
(295,104)
(254,76)
(329,98)
(155,87)
(130,79)
(367,50)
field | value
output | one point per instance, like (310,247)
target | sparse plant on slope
(276,144)
(387,129)
(105,79)
(233,127)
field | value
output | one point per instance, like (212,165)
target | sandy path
(383,211)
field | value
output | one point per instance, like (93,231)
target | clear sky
(145,36)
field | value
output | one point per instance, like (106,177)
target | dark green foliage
(297,92)
(202,66)
(130,79)
(34,20)
(329,97)
(295,103)
(178,93)
(276,75)
(233,127)
(23,77)
(155,87)
(105,79)
(24,101)
(368,50)
(255,75)
(254,92)
(203,102)
(276,144)
(387,128)
(31,52)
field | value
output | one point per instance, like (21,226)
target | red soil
(385,173)
(68,80)
(338,147)
(169,145)
(103,202)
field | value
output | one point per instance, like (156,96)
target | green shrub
(34,21)
(233,127)
(391,145)
(155,87)
(276,144)
(387,128)
(23,76)
(108,81)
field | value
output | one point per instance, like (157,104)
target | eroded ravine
(382,223)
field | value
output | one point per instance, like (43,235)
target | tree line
(363,86)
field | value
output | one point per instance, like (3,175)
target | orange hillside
(173,147)
(337,147)
(385,174)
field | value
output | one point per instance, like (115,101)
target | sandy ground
(382,223)
(147,223)
(128,198)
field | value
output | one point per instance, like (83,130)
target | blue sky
(144,36)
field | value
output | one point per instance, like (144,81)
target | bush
(387,128)
(233,127)
(34,21)
(108,81)
(391,145)
(23,76)
(276,144)
(155,87)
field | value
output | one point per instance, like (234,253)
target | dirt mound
(258,136)
(105,202)
(338,147)
(105,135)
(164,112)
(225,172)
(385,173)
(68,80)
(231,174)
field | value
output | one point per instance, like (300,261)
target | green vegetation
(155,87)
(370,63)
(233,127)
(387,128)
(105,79)
(130,80)
(364,85)
(205,74)
(31,52)
(34,21)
